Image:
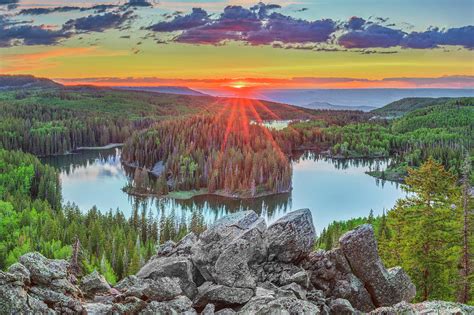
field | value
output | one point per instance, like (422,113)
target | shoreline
(189,194)
(104,147)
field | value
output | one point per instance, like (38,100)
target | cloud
(286,29)
(372,36)
(256,26)
(100,8)
(8,2)
(138,3)
(360,34)
(98,23)
(233,24)
(39,11)
(197,17)
(12,33)
(355,23)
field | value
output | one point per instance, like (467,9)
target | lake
(332,189)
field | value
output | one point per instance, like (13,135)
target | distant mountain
(325,105)
(12,82)
(405,105)
(180,90)
(347,97)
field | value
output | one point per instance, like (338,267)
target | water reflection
(333,189)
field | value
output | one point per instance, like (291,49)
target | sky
(241,43)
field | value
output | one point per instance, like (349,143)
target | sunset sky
(241,43)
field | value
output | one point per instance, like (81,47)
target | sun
(238,85)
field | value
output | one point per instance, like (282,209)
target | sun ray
(267,132)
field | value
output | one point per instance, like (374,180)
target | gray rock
(166,248)
(279,306)
(42,269)
(208,310)
(180,305)
(282,274)
(430,307)
(225,251)
(297,290)
(226,311)
(221,296)
(183,247)
(14,299)
(94,283)
(21,272)
(341,307)
(64,286)
(291,238)
(130,305)
(176,267)
(161,289)
(330,272)
(402,283)
(126,283)
(97,308)
(59,301)
(386,288)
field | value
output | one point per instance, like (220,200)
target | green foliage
(405,105)
(426,225)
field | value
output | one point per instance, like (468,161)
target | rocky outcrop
(386,287)
(238,266)
(37,285)
(431,307)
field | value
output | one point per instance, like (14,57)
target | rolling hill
(181,90)
(405,105)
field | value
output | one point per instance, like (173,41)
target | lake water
(332,189)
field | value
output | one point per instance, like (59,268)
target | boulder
(173,267)
(291,238)
(14,299)
(130,305)
(430,307)
(386,288)
(342,307)
(330,272)
(21,272)
(283,305)
(60,302)
(225,251)
(166,248)
(94,283)
(161,289)
(297,290)
(44,270)
(179,305)
(221,296)
(208,310)
(97,308)
(226,311)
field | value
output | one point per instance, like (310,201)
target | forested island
(225,156)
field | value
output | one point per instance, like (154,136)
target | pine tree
(425,226)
